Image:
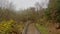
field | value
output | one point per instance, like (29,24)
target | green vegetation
(6,27)
(41,28)
(13,22)
(53,11)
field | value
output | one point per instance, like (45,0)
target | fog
(24,4)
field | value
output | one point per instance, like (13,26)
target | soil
(32,29)
(52,29)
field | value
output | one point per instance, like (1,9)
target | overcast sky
(23,4)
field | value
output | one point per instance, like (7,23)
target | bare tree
(5,4)
(38,6)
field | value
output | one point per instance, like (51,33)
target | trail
(32,29)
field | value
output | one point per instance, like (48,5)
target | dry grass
(52,28)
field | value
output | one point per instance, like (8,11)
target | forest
(31,20)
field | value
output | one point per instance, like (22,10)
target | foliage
(58,18)
(47,14)
(53,10)
(5,25)
(29,14)
(10,21)
(41,28)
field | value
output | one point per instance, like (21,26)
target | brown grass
(52,28)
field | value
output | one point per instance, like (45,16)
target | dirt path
(32,29)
